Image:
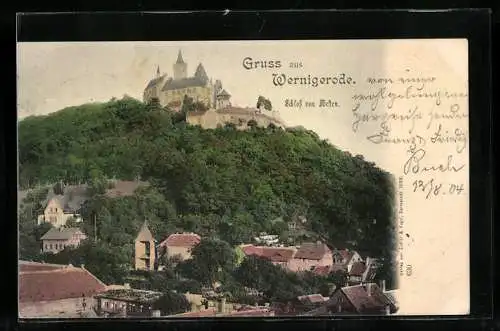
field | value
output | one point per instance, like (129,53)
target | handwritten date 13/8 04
(431,188)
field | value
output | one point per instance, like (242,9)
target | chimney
(82,266)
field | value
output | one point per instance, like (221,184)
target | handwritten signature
(414,165)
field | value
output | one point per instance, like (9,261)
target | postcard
(243,178)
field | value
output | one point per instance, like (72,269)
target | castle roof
(179,57)
(144,233)
(201,73)
(155,81)
(175,84)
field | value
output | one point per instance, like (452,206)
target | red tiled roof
(274,254)
(357,269)
(312,251)
(201,313)
(322,270)
(57,284)
(182,240)
(251,312)
(358,296)
(25,266)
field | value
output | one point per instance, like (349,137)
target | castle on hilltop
(170,92)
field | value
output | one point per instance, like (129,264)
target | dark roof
(357,269)
(153,82)
(311,299)
(72,198)
(312,251)
(124,188)
(57,284)
(201,73)
(346,254)
(60,233)
(181,240)
(363,302)
(175,84)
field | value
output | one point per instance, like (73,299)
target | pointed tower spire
(179,57)
(144,233)
(158,71)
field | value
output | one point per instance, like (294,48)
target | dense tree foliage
(222,183)
(172,303)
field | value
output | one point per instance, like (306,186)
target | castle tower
(145,250)
(180,67)
(223,99)
(201,74)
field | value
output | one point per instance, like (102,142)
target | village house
(64,202)
(356,273)
(56,239)
(56,291)
(277,255)
(365,299)
(371,268)
(310,256)
(126,302)
(144,249)
(345,258)
(179,245)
